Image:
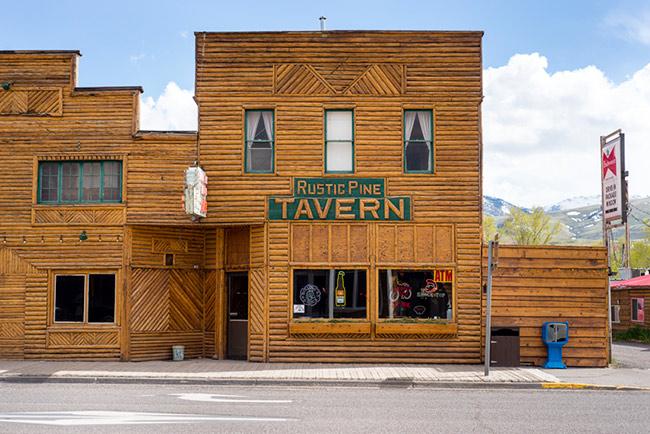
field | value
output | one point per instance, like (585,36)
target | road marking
(210,397)
(76,418)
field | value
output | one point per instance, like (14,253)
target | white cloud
(633,27)
(183,34)
(175,109)
(541,130)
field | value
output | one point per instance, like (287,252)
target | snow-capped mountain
(573,202)
(496,207)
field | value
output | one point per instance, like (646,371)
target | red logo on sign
(609,162)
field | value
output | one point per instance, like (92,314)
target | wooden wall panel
(237,248)
(167,303)
(209,312)
(532,285)
(33,102)
(150,243)
(416,244)
(12,313)
(39,68)
(623,298)
(330,242)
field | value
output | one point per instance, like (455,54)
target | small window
(418,141)
(425,294)
(638,313)
(329,294)
(169,259)
(62,182)
(259,141)
(616,313)
(85,298)
(339,141)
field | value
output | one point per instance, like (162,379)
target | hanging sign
(195,194)
(612,174)
(339,199)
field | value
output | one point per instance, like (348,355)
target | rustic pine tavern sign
(339,199)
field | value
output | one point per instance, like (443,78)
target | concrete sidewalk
(239,372)
(208,371)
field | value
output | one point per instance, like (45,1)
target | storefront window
(425,294)
(329,294)
(88,298)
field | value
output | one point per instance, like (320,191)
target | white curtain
(339,125)
(425,124)
(339,141)
(409,119)
(267,117)
(252,120)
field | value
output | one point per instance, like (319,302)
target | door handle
(233,314)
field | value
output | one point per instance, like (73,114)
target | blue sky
(150,43)
(557,73)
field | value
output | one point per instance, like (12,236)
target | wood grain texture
(532,285)
(622,297)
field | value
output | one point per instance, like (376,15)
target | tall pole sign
(614,200)
(612,175)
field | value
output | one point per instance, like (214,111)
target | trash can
(178,352)
(555,335)
(504,346)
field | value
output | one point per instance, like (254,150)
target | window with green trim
(260,147)
(61,182)
(339,141)
(418,141)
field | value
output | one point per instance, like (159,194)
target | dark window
(169,259)
(101,298)
(80,181)
(72,293)
(329,294)
(259,141)
(69,298)
(418,141)
(426,294)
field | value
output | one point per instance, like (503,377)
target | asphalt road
(100,408)
(631,355)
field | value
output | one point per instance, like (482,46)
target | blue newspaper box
(555,335)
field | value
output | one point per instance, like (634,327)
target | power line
(640,221)
(638,209)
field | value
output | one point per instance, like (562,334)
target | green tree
(640,251)
(489,227)
(532,228)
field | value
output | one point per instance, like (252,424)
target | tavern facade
(343,205)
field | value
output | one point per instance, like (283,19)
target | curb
(396,383)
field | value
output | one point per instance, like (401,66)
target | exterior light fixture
(6,85)
(83,236)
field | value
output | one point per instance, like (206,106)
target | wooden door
(237,316)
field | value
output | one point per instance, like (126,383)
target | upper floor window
(259,141)
(339,141)
(80,181)
(418,141)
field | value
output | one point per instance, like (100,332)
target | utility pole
(493,254)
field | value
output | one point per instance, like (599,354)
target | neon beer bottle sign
(339,292)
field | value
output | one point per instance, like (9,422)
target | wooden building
(629,307)
(344,205)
